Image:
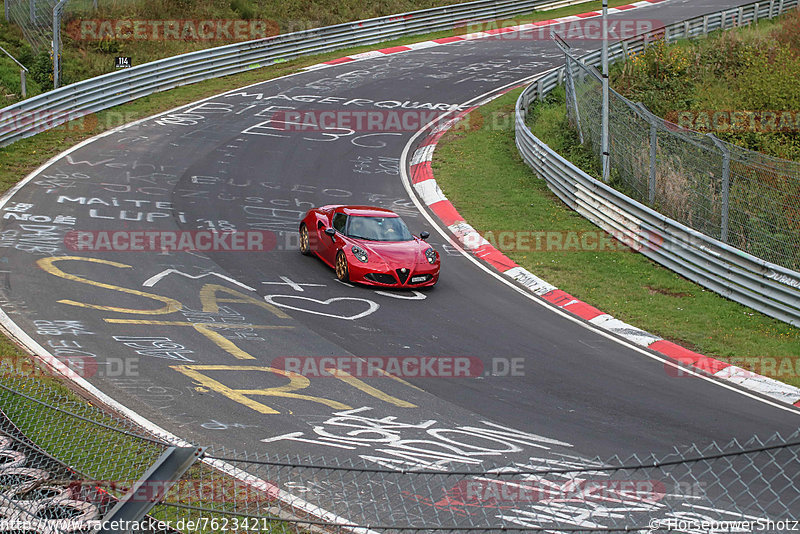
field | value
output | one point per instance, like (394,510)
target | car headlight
(431,255)
(360,254)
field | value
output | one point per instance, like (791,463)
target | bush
(41,71)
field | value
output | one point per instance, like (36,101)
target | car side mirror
(330,232)
(424,235)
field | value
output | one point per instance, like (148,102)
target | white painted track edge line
(50,361)
(406,180)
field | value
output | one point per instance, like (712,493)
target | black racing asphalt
(576,386)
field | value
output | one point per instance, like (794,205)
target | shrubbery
(756,70)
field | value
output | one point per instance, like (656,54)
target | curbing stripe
(429,191)
(394,49)
(478,35)
(422,154)
(446,212)
(425,183)
(421,173)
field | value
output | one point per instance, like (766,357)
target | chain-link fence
(744,198)
(65,463)
(35,18)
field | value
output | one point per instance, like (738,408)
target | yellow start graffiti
(211,296)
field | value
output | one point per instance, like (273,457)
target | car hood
(396,253)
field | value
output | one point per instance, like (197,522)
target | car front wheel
(341,267)
(305,247)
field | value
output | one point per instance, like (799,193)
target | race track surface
(201,330)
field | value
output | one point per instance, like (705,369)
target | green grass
(482,174)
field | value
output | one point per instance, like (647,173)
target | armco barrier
(61,105)
(763,286)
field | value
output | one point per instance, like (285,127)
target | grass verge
(482,174)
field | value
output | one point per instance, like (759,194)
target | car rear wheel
(305,247)
(341,267)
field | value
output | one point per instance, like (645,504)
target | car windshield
(378,229)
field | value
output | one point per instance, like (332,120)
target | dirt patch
(667,292)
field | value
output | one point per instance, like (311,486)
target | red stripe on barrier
(394,49)
(495,258)
(421,172)
(446,212)
(623,8)
(340,60)
(545,22)
(587,15)
(797,404)
(445,40)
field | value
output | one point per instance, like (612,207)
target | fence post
(32,11)
(156,482)
(22,81)
(57,42)
(726,186)
(571,90)
(5,6)
(653,147)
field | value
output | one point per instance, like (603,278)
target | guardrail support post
(771,7)
(780,7)
(686,29)
(23,84)
(705,24)
(152,487)
(755,13)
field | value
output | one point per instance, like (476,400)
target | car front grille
(381,278)
(403,276)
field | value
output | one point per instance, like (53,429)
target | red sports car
(371,246)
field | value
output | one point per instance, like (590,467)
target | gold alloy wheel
(305,248)
(341,266)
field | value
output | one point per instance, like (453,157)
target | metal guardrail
(761,285)
(55,107)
